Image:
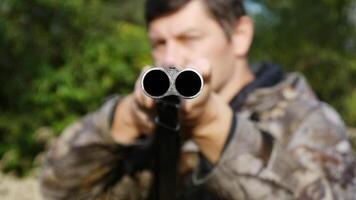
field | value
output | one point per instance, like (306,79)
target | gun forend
(158,82)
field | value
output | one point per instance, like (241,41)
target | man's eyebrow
(155,36)
(189,31)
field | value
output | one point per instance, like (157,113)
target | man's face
(189,35)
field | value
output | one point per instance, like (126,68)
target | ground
(12,188)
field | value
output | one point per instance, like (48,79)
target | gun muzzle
(159,82)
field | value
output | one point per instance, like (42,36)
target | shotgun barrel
(167,86)
(158,82)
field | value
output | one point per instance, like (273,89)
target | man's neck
(240,78)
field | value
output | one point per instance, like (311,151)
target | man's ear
(242,36)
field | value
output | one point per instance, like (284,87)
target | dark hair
(225,12)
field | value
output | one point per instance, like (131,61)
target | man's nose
(174,55)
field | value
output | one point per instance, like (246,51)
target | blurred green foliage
(61,58)
(316,38)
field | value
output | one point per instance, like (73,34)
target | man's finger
(143,120)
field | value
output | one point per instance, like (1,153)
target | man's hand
(133,116)
(207,118)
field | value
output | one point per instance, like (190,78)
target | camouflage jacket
(284,144)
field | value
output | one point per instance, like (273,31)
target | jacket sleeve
(86,163)
(315,163)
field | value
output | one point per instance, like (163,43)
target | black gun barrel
(188,83)
(156,82)
(167,86)
(159,82)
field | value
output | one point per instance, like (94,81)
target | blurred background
(60,59)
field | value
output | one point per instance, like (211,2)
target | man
(253,133)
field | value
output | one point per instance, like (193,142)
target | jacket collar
(267,75)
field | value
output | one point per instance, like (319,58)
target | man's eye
(189,39)
(158,43)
